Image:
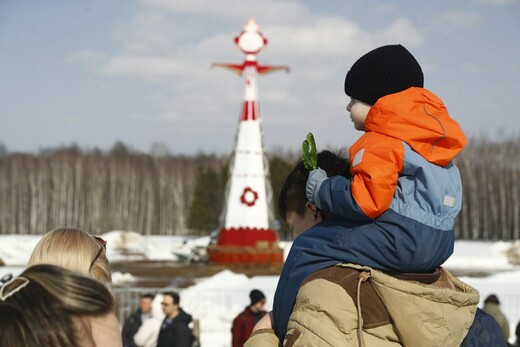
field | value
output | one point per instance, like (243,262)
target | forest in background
(158,193)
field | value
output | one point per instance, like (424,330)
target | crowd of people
(371,233)
(171,327)
(51,305)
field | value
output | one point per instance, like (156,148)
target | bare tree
(150,194)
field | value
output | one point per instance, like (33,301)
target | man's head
(170,304)
(382,71)
(145,303)
(257,300)
(492,299)
(292,201)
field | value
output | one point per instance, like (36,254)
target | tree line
(162,194)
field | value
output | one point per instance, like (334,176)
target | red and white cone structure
(246,235)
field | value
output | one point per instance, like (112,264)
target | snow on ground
(480,255)
(216,300)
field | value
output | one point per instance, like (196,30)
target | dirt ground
(158,274)
(153,274)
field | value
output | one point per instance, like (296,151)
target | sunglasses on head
(102,247)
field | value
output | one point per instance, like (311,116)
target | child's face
(358,113)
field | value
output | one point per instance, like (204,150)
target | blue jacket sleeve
(336,197)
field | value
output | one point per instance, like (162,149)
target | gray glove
(312,188)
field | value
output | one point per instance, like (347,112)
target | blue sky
(95,72)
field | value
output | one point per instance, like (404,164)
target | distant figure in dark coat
(134,321)
(492,307)
(175,330)
(243,324)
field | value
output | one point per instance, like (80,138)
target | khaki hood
(438,314)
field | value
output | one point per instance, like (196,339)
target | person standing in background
(135,320)
(492,307)
(175,330)
(244,323)
(148,332)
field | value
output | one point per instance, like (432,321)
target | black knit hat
(256,296)
(382,71)
(492,299)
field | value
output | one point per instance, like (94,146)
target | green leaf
(309,154)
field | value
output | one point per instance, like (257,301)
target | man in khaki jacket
(352,305)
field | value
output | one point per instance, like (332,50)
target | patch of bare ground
(158,274)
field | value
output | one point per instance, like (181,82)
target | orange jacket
(415,116)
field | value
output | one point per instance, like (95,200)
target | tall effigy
(246,235)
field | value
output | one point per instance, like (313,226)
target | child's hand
(312,188)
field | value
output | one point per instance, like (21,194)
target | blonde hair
(50,306)
(72,249)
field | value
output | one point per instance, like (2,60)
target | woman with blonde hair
(49,306)
(75,250)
